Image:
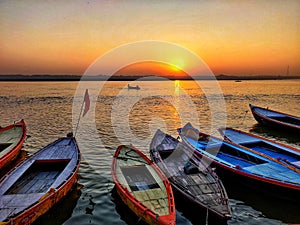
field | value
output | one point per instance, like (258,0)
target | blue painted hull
(241,164)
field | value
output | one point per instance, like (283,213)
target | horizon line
(69,77)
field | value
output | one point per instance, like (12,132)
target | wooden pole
(79,118)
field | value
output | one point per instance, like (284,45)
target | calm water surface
(130,117)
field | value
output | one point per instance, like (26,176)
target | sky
(232,37)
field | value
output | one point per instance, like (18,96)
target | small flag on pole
(86,102)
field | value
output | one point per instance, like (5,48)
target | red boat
(39,182)
(12,138)
(142,186)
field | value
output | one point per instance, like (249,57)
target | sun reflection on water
(177,87)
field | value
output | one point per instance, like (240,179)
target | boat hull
(271,122)
(39,182)
(285,190)
(131,200)
(234,176)
(263,185)
(171,156)
(13,153)
(29,216)
(147,216)
(260,186)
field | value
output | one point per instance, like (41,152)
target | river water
(121,116)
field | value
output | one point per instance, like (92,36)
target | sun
(175,68)
(178,64)
(176,87)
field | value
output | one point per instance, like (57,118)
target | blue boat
(240,165)
(276,119)
(266,147)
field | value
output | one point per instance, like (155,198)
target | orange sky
(150,68)
(232,37)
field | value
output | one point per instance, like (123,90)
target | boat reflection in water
(264,131)
(244,201)
(57,216)
(128,216)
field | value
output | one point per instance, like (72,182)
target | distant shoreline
(4,78)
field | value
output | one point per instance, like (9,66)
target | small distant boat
(142,186)
(276,119)
(266,147)
(191,178)
(39,182)
(12,138)
(241,165)
(137,87)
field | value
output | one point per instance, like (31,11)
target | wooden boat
(12,138)
(265,147)
(39,182)
(276,119)
(142,186)
(240,164)
(191,178)
(137,87)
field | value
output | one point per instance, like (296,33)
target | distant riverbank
(131,78)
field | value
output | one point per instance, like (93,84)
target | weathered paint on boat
(12,138)
(257,170)
(282,153)
(142,187)
(276,119)
(22,203)
(201,187)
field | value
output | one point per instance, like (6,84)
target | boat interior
(39,177)
(9,139)
(234,156)
(139,178)
(3,146)
(271,150)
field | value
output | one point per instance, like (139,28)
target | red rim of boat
(12,154)
(166,219)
